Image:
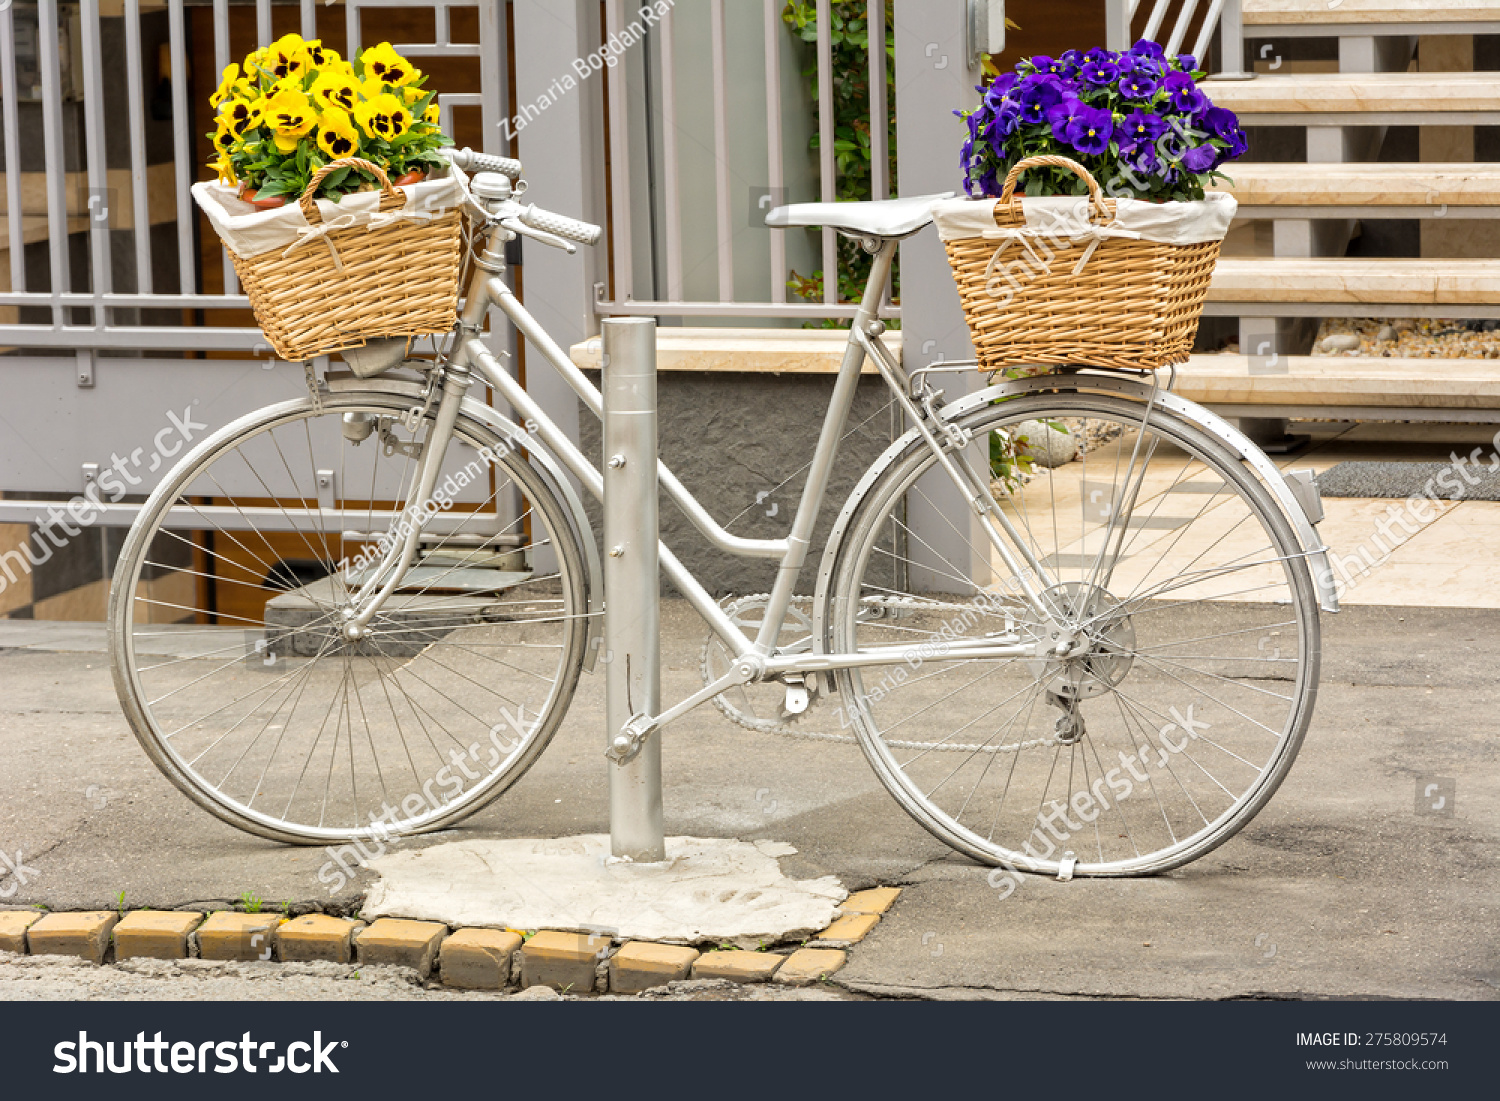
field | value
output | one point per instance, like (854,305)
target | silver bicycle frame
(754,658)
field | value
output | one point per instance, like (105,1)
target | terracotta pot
(263,204)
(416,175)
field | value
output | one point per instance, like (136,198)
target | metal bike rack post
(632,604)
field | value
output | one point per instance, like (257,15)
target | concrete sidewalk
(1339,888)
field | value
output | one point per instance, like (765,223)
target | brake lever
(521,229)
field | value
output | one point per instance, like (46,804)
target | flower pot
(263,204)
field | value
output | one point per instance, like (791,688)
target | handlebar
(470,161)
(570,229)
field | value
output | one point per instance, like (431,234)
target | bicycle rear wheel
(1195,662)
(226,623)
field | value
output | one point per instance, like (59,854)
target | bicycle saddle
(883,218)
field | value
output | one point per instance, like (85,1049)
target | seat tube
(821,470)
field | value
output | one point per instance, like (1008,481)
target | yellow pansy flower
(431,114)
(290,115)
(287,56)
(335,89)
(226,86)
(411,95)
(336,134)
(225,169)
(320,56)
(239,115)
(224,137)
(383,117)
(384,63)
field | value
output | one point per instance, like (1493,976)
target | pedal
(797,698)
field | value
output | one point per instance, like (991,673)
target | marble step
(1346,288)
(1362,99)
(1341,381)
(1429,190)
(1371,16)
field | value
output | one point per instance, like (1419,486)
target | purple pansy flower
(1138,84)
(1200,158)
(1144,47)
(1184,93)
(1036,94)
(1089,130)
(1186,62)
(1062,115)
(1099,73)
(1140,128)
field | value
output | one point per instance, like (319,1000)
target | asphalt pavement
(1351,883)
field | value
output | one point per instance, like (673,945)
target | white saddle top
(884,218)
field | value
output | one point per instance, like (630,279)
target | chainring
(757,706)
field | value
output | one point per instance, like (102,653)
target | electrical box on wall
(27,38)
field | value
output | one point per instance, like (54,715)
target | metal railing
(1223,17)
(94,215)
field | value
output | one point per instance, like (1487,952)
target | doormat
(1439,481)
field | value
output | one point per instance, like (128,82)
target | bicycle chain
(785,729)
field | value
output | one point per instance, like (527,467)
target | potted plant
(295,106)
(1114,279)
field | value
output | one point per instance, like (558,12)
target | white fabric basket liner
(1071,216)
(249,232)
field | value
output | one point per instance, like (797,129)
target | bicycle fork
(372,594)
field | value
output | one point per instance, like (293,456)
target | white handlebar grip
(471,161)
(569,228)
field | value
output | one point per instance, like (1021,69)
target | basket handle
(310,208)
(1008,192)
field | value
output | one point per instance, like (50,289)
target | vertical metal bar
(1179,29)
(1158,17)
(182,149)
(880,160)
(263,30)
(221,62)
(670,166)
(352,28)
(492,54)
(827,183)
(632,610)
(1117,15)
(97,208)
(310,18)
(619,155)
(775,156)
(1232,42)
(135,97)
(721,151)
(440,31)
(17,235)
(56,166)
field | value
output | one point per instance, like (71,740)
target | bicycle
(1111,674)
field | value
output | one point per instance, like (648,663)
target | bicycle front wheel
(1189,624)
(227,612)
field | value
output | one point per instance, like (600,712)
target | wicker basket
(354,284)
(1105,301)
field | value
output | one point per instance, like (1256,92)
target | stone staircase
(1314,209)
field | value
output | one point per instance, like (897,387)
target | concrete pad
(706,890)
